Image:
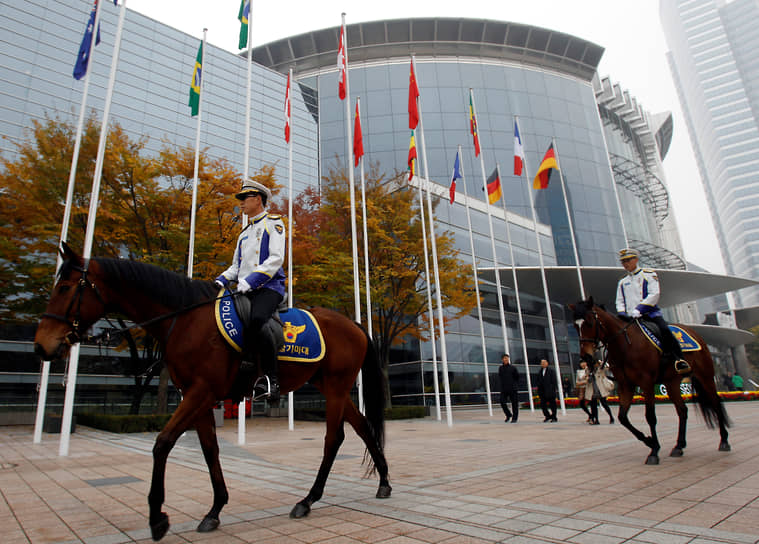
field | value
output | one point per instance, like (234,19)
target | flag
(287,110)
(544,170)
(456,175)
(358,139)
(518,151)
(412,158)
(473,128)
(342,66)
(413,94)
(195,84)
(83,57)
(494,187)
(243,17)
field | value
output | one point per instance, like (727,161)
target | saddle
(272,328)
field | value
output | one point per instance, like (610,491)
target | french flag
(518,151)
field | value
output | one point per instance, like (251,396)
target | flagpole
(45,373)
(549,313)
(354,234)
(569,221)
(290,225)
(501,310)
(438,297)
(516,289)
(191,252)
(367,283)
(68,405)
(476,286)
(245,169)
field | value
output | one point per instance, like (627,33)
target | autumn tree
(323,263)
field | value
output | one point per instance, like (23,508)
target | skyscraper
(712,56)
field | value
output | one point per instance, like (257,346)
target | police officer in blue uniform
(257,269)
(638,295)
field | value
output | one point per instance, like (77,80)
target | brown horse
(636,362)
(203,367)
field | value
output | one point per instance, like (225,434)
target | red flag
(342,65)
(413,94)
(287,110)
(473,128)
(358,140)
(412,158)
(544,170)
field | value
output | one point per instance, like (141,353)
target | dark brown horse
(203,367)
(636,362)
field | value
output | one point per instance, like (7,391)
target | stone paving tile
(484,484)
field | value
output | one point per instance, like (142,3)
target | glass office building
(712,56)
(608,147)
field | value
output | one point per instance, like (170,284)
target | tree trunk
(162,400)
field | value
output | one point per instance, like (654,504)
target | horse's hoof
(208,524)
(300,510)
(160,527)
(676,452)
(384,492)
(652,460)
(724,446)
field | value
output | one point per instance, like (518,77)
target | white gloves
(243,287)
(218,284)
(635,313)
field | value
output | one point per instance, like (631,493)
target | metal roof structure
(434,37)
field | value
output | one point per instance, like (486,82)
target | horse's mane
(167,288)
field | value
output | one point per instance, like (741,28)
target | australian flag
(83,57)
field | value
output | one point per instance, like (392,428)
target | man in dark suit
(547,387)
(509,378)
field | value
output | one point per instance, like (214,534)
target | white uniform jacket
(259,254)
(639,290)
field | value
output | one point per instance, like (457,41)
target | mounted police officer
(257,269)
(638,296)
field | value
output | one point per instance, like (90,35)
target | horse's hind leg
(332,441)
(361,425)
(194,403)
(206,428)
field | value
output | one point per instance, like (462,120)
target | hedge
(124,423)
(728,396)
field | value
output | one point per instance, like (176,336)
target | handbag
(608,384)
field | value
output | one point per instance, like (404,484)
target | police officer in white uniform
(638,296)
(257,269)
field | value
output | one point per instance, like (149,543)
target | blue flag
(83,57)
(456,175)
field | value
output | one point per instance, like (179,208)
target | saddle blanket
(304,342)
(687,342)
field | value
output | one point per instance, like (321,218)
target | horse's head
(75,304)
(588,327)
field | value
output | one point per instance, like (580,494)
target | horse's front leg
(625,400)
(673,390)
(653,456)
(195,402)
(332,441)
(206,428)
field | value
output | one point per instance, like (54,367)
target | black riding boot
(267,386)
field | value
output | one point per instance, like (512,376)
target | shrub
(124,423)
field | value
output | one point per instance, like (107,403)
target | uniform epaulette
(648,270)
(274,216)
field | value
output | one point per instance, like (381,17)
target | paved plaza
(480,481)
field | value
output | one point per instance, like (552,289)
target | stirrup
(682,366)
(262,388)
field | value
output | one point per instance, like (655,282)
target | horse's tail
(713,409)
(373,380)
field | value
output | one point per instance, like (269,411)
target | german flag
(544,170)
(494,187)
(412,157)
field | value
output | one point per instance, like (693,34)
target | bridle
(601,336)
(77,332)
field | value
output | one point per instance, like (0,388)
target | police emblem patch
(279,229)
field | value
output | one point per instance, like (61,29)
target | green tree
(323,265)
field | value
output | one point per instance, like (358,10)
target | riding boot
(267,386)
(681,365)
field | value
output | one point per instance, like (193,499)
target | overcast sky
(629,30)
